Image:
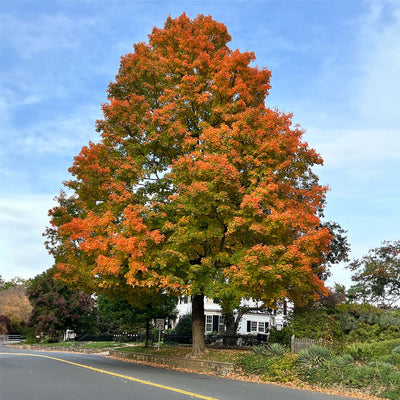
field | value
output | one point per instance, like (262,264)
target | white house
(253,322)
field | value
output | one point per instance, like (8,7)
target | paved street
(29,375)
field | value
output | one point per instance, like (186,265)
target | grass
(219,355)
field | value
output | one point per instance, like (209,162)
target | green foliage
(119,315)
(4,285)
(396,350)
(366,323)
(370,351)
(315,323)
(184,326)
(314,356)
(116,316)
(360,351)
(273,349)
(280,336)
(371,367)
(376,379)
(392,359)
(376,275)
(273,367)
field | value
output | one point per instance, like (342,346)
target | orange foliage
(195,186)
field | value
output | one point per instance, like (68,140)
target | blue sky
(335,65)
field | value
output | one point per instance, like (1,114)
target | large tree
(195,187)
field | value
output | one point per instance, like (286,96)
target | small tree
(57,307)
(184,326)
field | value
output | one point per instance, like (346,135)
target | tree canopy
(57,307)
(195,187)
(377,275)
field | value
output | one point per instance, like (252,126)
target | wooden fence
(297,344)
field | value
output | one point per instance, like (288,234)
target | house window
(209,323)
(214,323)
(221,327)
(254,326)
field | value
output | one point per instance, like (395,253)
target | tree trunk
(231,325)
(147,333)
(198,326)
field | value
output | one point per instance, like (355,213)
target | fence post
(292,344)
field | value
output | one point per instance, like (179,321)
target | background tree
(195,187)
(57,307)
(15,305)
(120,316)
(116,316)
(5,325)
(377,276)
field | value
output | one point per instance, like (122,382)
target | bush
(315,323)
(369,351)
(273,367)
(392,359)
(360,351)
(282,336)
(396,350)
(184,326)
(273,349)
(377,378)
(314,356)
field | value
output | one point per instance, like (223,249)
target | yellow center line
(172,389)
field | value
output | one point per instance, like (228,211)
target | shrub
(396,350)
(369,351)
(315,323)
(255,363)
(280,336)
(184,326)
(360,351)
(377,378)
(282,369)
(270,365)
(392,359)
(314,356)
(277,349)
(273,349)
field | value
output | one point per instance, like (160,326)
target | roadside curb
(213,367)
(57,348)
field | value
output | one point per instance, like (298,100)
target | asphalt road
(34,375)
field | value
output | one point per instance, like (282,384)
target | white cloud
(378,87)
(342,149)
(64,134)
(22,221)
